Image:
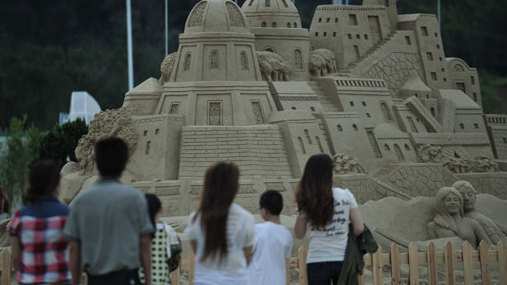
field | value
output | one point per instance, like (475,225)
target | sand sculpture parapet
(251,85)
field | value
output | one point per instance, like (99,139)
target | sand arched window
(213,59)
(386,111)
(399,153)
(268,3)
(273,24)
(289,25)
(187,62)
(244,61)
(298,59)
(263,24)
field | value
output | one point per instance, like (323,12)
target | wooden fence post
(6,267)
(432,264)
(175,276)
(502,262)
(191,267)
(303,280)
(484,259)
(377,267)
(395,264)
(413,260)
(468,263)
(449,264)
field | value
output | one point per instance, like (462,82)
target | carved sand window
(157,131)
(295,25)
(174,108)
(285,3)
(213,60)
(387,148)
(289,25)
(148,146)
(407,148)
(186,64)
(505,140)
(257,110)
(424,31)
(432,111)
(244,61)
(353,19)
(340,128)
(298,59)
(302,145)
(263,24)
(355,127)
(215,113)
(386,111)
(145,133)
(268,3)
(399,153)
(251,2)
(273,24)
(307,134)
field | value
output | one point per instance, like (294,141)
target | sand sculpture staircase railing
(350,67)
(324,100)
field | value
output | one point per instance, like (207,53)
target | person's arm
(247,251)
(300,227)
(75,262)
(16,252)
(432,231)
(145,248)
(357,221)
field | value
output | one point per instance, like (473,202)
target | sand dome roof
(216,16)
(260,11)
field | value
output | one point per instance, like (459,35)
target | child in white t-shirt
(272,243)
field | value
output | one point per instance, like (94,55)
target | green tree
(15,159)
(61,141)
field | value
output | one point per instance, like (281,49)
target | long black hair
(314,194)
(154,206)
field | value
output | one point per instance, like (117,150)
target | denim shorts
(321,273)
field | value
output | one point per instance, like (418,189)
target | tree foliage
(60,142)
(15,159)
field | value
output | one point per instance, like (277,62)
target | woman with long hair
(221,232)
(327,212)
(39,248)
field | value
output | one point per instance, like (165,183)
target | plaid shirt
(43,246)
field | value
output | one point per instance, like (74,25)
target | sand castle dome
(271,14)
(216,16)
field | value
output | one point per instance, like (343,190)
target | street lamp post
(129,47)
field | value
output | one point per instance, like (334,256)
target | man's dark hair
(111,155)
(272,201)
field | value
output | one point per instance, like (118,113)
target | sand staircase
(351,66)
(324,100)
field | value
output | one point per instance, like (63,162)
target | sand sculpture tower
(250,85)
(277,28)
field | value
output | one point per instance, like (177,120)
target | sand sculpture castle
(249,84)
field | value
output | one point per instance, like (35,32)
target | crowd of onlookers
(114,233)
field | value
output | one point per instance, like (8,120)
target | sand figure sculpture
(449,220)
(495,231)
(273,67)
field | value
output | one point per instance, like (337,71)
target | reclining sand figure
(495,231)
(450,221)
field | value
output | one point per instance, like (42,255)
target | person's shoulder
(342,192)
(241,212)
